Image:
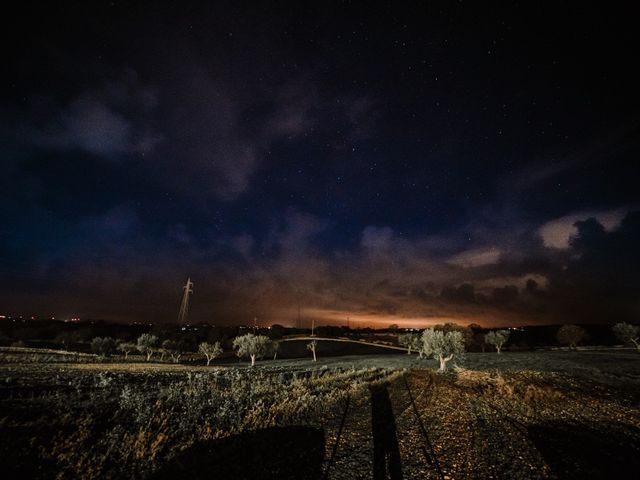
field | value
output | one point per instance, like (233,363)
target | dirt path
(382,435)
(344,340)
(421,426)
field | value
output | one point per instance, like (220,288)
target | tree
(103,346)
(312,346)
(497,338)
(146,344)
(628,333)
(175,348)
(162,350)
(274,347)
(210,350)
(476,338)
(570,335)
(410,341)
(467,333)
(441,345)
(126,347)
(251,346)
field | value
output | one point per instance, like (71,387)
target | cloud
(220,134)
(296,231)
(377,239)
(90,125)
(529,280)
(599,281)
(385,279)
(505,295)
(557,233)
(110,121)
(476,258)
(464,293)
(598,150)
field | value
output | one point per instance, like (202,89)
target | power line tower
(184,306)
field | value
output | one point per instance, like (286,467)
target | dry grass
(128,420)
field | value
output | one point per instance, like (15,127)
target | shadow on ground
(274,453)
(587,452)
(386,454)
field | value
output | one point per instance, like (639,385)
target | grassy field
(555,414)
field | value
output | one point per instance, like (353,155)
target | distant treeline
(77,336)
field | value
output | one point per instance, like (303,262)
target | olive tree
(497,338)
(210,350)
(146,344)
(409,341)
(103,346)
(175,348)
(251,346)
(628,333)
(441,345)
(126,348)
(274,347)
(570,335)
(312,345)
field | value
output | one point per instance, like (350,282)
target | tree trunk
(126,355)
(253,360)
(498,348)
(208,360)
(314,354)
(409,350)
(275,355)
(149,354)
(443,362)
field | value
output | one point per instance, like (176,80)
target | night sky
(407,163)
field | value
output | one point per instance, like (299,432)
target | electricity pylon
(184,306)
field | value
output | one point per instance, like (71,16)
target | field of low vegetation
(559,414)
(412,405)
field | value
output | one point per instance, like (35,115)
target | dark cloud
(464,293)
(397,280)
(505,295)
